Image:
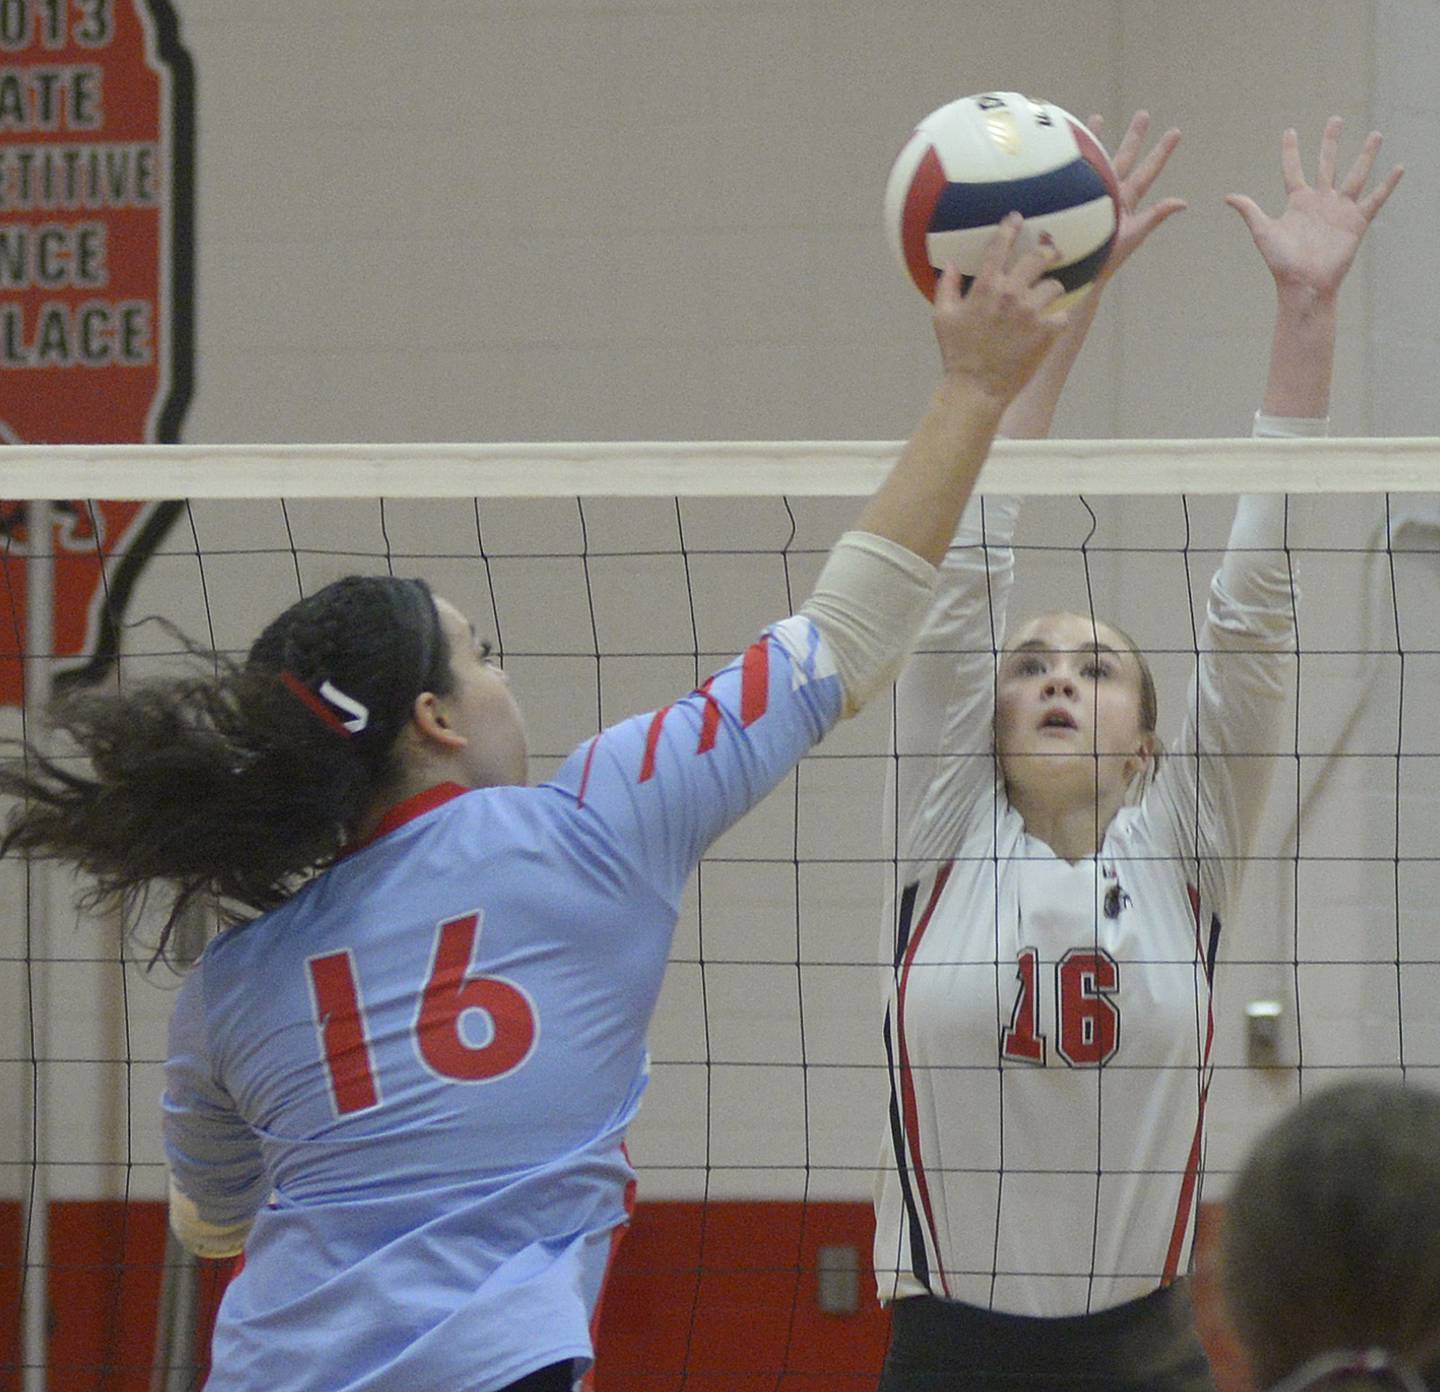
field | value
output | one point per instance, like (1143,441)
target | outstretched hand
(1136,176)
(1032,412)
(1312,244)
(993,336)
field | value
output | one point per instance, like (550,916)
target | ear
(1142,759)
(429,716)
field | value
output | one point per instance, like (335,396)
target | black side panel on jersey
(904,920)
(919,1262)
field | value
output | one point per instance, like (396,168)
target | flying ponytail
(235,784)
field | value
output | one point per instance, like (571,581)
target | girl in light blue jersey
(400,1079)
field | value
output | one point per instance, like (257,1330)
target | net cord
(837,468)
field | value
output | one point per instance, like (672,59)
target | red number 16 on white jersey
(1087,1019)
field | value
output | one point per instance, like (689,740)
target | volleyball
(973,161)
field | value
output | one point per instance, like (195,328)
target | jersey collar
(407,811)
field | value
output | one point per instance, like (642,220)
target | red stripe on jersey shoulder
(1192,1163)
(908,1105)
(754,682)
(754,700)
(652,743)
(585,772)
(710,722)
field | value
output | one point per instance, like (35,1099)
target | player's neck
(418,777)
(1073,829)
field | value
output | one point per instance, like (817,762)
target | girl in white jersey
(1330,1252)
(400,1079)
(1049,1025)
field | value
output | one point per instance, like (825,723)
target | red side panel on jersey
(907,1084)
(617,1236)
(926,186)
(1192,1164)
(1187,1191)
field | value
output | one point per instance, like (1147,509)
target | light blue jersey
(417,1073)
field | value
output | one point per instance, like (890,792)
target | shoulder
(1147,828)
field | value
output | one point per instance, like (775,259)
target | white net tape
(835,468)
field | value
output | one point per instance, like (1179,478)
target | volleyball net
(612,578)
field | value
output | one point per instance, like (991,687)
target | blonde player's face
(481,708)
(1067,712)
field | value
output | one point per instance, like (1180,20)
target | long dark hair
(231,784)
(1331,1238)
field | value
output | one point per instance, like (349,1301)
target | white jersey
(1049,1026)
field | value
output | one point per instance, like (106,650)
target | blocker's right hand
(993,337)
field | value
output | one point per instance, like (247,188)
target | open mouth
(1058,719)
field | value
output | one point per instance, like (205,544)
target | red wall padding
(105,1267)
(714,1298)
(9,1297)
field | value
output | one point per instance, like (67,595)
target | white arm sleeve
(202,1238)
(1212,786)
(944,775)
(1260,519)
(869,602)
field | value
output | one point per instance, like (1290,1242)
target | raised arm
(1308,250)
(945,698)
(669,782)
(991,342)
(1030,415)
(1238,700)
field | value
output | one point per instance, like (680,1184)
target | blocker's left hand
(1313,242)
(1136,175)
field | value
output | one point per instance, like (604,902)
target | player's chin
(1030,767)
(1046,751)
(1052,772)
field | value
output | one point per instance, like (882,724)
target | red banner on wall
(96,285)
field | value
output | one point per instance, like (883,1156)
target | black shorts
(558,1377)
(1145,1345)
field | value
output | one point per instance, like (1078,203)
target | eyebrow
(1041,646)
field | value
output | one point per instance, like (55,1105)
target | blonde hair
(1149,717)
